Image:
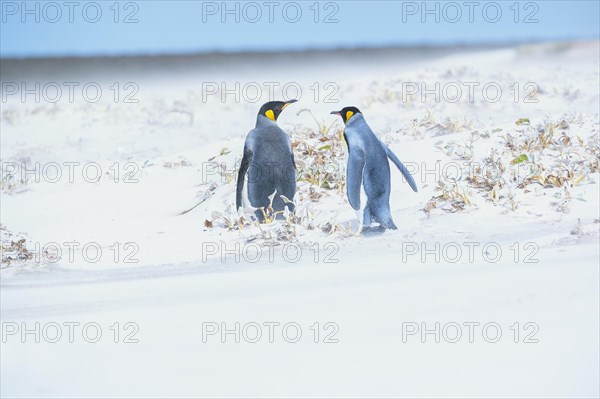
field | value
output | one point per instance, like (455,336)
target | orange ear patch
(270,114)
(349,115)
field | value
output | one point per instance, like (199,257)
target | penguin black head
(272,109)
(347,113)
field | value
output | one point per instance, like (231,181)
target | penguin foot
(372,231)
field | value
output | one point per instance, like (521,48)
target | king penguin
(268,161)
(368,169)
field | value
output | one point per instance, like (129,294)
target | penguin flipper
(354,176)
(401,167)
(246,159)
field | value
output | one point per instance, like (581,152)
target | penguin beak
(335,113)
(288,103)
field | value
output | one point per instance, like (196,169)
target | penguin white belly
(363,204)
(246,205)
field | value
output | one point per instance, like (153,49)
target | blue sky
(47,28)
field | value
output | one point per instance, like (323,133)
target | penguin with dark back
(368,168)
(268,162)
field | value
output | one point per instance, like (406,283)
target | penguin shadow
(372,231)
(366,231)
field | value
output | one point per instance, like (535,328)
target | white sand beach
(504,144)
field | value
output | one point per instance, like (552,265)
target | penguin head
(272,109)
(347,113)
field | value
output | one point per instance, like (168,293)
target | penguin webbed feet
(385,224)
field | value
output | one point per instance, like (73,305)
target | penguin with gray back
(368,167)
(267,165)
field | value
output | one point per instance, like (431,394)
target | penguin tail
(388,223)
(384,217)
